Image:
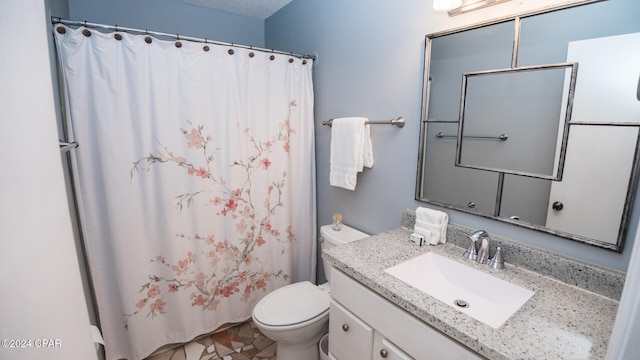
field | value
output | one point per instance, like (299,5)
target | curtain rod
(58,20)
(66,146)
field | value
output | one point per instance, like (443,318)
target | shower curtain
(194,177)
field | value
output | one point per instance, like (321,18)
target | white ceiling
(261,9)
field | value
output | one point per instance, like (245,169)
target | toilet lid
(292,304)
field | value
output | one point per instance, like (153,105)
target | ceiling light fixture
(457,7)
(446,5)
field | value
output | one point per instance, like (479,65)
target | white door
(599,159)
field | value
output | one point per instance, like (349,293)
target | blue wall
(370,63)
(171,17)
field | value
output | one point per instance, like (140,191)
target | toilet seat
(292,304)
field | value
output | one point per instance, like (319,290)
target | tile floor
(241,342)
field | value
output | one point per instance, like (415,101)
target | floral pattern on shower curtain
(195,180)
(231,271)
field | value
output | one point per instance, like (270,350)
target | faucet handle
(496,261)
(472,251)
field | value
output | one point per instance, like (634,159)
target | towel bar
(399,122)
(501,137)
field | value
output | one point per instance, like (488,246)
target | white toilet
(296,316)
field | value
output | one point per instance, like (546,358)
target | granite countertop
(560,321)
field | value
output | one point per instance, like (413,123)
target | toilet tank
(330,238)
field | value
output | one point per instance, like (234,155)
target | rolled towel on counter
(426,233)
(433,223)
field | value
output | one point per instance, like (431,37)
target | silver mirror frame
(419,196)
(565,126)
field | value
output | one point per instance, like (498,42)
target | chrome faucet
(483,253)
(482,256)
(472,251)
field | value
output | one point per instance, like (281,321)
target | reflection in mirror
(443,181)
(481,49)
(512,119)
(526,198)
(598,157)
(589,196)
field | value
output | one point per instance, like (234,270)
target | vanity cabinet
(363,325)
(357,340)
(383,349)
(349,337)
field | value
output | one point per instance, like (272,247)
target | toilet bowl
(296,316)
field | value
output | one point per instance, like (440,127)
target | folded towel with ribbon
(431,224)
(351,151)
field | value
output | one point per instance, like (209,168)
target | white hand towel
(433,221)
(367,150)
(427,234)
(351,150)
(434,232)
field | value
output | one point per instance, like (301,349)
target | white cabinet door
(349,337)
(383,349)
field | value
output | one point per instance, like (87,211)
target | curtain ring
(86,32)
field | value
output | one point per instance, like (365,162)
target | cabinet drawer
(383,349)
(349,337)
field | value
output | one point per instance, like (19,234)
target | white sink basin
(489,299)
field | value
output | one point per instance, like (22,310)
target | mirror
(528,121)
(523,114)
